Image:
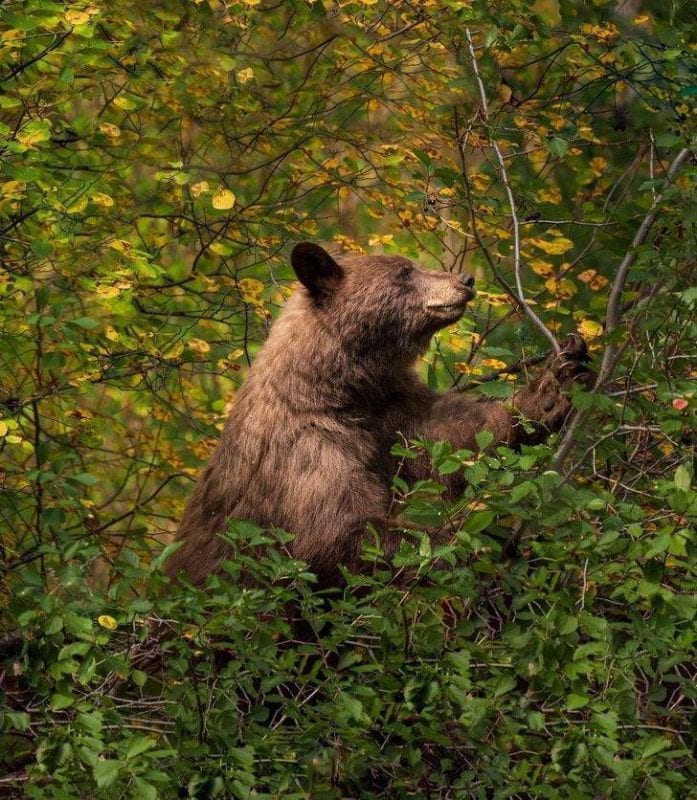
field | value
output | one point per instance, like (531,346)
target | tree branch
(613,303)
(536,321)
(612,315)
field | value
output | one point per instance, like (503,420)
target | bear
(307,445)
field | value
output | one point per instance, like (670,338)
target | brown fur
(307,445)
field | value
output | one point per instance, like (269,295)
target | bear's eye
(404,273)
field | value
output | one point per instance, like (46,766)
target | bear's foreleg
(529,417)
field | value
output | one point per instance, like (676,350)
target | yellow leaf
(111,333)
(107,622)
(251,289)
(223,199)
(175,351)
(74,17)
(598,165)
(103,200)
(556,247)
(592,279)
(504,92)
(112,131)
(124,103)
(563,288)
(199,188)
(551,195)
(110,290)
(479,181)
(349,245)
(245,75)
(541,267)
(494,363)
(13,188)
(604,33)
(492,298)
(590,329)
(3,428)
(220,249)
(120,245)
(12,35)
(468,369)
(33,133)
(405,216)
(377,239)
(199,346)
(78,206)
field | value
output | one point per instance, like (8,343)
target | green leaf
(85,478)
(484,439)
(558,147)
(139,744)
(88,323)
(567,624)
(106,772)
(478,521)
(60,701)
(139,677)
(659,790)
(683,478)
(498,389)
(653,745)
(41,248)
(17,720)
(575,701)
(145,790)
(353,706)
(521,491)
(506,683)
(54,625)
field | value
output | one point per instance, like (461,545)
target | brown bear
(307,445)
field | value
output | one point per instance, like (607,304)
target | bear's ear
(315,268)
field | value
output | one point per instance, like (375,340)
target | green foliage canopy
(157,163)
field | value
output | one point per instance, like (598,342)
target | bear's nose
(467,281)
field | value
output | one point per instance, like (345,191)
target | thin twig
(511,369)
(461,146)
(537,322)
(584,588)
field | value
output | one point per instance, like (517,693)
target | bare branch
(613,303)
(612,316)
(537,322)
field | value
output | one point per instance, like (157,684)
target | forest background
(158,161)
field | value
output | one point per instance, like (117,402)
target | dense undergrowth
(158,162)
(562,669)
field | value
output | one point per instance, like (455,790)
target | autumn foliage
(158,162)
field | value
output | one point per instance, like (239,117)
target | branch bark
(612,316)
(520,295)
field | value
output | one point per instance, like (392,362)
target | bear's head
(379,304)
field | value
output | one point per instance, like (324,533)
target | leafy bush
(158,160)
(565,671)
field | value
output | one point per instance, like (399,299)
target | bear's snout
(449,294)
(466,284)
(467,281)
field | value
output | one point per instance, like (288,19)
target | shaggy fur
(307,445)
